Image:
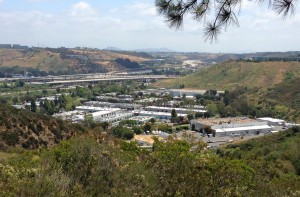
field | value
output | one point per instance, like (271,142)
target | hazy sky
(132,24)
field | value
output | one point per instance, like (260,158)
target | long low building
(74,116)
(91,109)
(111,116)
(157,115)
(241,131)
(189,92)
(178,110)
(125,106)
(231,126)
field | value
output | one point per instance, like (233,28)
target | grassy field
(228,75)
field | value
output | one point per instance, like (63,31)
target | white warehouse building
(157,115)
(248,130)
(178,110)
(91,109)
(111,116)
(231,126)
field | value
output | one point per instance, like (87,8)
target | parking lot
(214,142)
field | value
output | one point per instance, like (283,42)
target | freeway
(113,78)
(89,78)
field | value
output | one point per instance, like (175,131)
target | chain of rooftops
(113,108)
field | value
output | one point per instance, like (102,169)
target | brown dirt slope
(51,60)
(39,58)
(22,128)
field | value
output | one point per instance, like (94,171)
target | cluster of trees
(82,167)
(52,106)
(18,84)
(127,63)
(36,72)
(237,102)
(10,71)
(177,119)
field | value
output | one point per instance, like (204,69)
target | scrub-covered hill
(22,128)
(229,74)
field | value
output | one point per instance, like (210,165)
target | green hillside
(286,94)
(276,160)
(230,74)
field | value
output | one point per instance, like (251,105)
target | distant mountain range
(113,49)
(146,50)
(152,50)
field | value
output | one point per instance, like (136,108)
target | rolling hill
(42,59)
(228,75)
(69,60)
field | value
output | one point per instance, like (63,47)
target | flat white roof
(99,113)
(188,90)
(271,119)
(68,113)
(157,113)
(243,128)
(97,108)
(176,109)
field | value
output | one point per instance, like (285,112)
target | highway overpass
(89,78)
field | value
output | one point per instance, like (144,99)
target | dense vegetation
(276,160)
(127,63)
(102,166)
(253,102)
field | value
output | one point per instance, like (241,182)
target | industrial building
(125,106)
(90,109)
(157,115)
(241,131)
(231,126)
(178,110)
(111,116)
(188,93)
(74,116)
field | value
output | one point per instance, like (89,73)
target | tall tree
(221,13)
(174,115)
(32,106)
